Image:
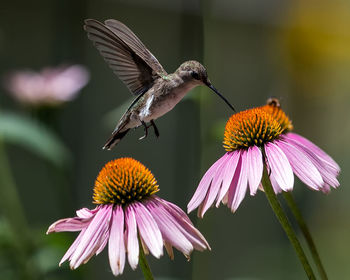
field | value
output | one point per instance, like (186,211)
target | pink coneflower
(252,138)
(51,86)
(128,211)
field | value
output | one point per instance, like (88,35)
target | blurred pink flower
(128,212)
(250,137)
(51,86)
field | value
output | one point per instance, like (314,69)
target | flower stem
(305,230)
(10,204)
(146,270)
(282,218)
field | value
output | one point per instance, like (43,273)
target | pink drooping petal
(204,184)
(239,184)
(116,246)
(255,168)
(328,174)
(214,186)
(82,221)
(277,189)
(280,166)
(228,174)
(169,228)
(328,177)
(100,244)
(228,197)
(301,165)
(180,220)
(176,208)
(144,246)
(315,149)
(132,241)
(91,240)
(74,224)
(72,248)
(103,242)
(148,229)
(187,228)
(86,213)
(69,224)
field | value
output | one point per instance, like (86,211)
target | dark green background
(298,51)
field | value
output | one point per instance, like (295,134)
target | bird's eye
(195,75)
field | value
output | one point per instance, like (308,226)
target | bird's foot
(156,131)
(146,127)
(146,130)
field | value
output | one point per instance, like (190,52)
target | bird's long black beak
(218,93)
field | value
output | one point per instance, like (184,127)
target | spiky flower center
(123,181)
(273,107)
(255,127)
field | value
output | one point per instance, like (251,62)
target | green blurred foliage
(297,51)
(35,137)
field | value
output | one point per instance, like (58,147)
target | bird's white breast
(159,105)
(145,110)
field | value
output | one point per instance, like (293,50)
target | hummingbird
(156,92)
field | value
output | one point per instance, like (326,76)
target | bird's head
(194,72)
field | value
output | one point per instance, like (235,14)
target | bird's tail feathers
(115,138)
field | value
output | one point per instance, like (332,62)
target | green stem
(10,203)
(282,218)
(305,230)
(12,211)
(146,270)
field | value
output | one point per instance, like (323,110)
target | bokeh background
(297,51)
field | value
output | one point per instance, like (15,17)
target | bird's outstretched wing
(128,57)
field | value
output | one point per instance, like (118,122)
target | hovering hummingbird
(156,91)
